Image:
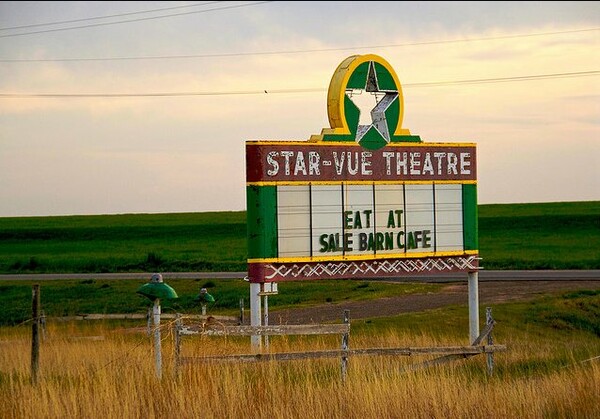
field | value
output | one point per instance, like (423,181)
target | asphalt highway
(484,275)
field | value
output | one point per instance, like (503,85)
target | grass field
(511,236)
(103,369)
(540,236)
(124,243)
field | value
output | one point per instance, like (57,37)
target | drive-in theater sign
(360,201)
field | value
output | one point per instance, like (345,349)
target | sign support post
(473,306)
(255,313)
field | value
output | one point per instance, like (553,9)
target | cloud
(172,154)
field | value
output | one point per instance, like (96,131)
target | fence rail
(463,351)
(277,330)
(447,353)
(140,316)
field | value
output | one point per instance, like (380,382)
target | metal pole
(255,310)
(157,350)
(473,306)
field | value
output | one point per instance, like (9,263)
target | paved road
(558,275)
(490,293)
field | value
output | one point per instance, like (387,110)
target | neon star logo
(365,76)
(374,134)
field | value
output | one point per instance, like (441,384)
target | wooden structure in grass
(448,353)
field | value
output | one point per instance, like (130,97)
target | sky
(150,103)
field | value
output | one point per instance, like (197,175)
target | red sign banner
(310,162)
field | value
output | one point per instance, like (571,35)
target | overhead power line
(505,79)
(61,22)
(305,90)
(299,51)
(237,6)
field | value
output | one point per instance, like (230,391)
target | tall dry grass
(97,371)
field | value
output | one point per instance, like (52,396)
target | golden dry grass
(97,371)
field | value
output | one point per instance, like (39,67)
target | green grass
(540,236)
(569,321)
(550,332)
(76,297)
(578,310)
(562,235)
(124,243)
(561,313)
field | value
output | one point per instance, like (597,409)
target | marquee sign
(360,200)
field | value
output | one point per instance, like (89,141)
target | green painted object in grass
(156,288)
(204,296)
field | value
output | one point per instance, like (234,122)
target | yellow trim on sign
(336,95)
(361,182)
(352,144)
(409,144)
(369,256)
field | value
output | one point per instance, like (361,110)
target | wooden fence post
(241,310)
(266,319)
(35,335)
(43,324)
(490,341)
(178,324)
(345,346)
